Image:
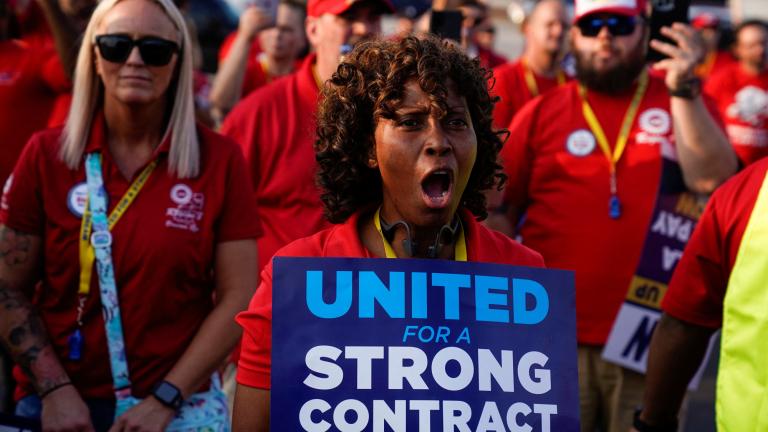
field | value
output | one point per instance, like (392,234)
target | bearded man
(592,163)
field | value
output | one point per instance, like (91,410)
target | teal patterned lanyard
(101,240)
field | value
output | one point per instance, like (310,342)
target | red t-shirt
(256,77)
(62,86)
(275,126)
(226,45)
(163,253)
(560,177)
(698,286)
(26,95)
(483,245)
(742,99)
(513,90)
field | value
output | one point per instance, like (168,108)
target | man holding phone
(587,162)
(281,41)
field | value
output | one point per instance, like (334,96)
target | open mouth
(436,188)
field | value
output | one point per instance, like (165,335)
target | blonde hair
(184,158)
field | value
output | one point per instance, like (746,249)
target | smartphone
(446,24)
(268,6)
(663,14)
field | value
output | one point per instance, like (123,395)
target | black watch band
(688,89)
(168,395)
(641,426)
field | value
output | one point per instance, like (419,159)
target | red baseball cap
(316,8)
(619,7)
(705,20)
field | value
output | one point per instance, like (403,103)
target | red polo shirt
(483,245)
(163,253)
(697,289)
(560,177)
(742,99)
(26,96)
(275,126)
(256,76)
(226,45)
(513,90)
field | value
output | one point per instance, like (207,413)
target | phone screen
(446,24)
(269,7)
(663,14)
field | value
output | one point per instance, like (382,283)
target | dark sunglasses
(154,51)
(618,25)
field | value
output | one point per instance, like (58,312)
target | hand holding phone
(664,13)
(253,20)
(683,55)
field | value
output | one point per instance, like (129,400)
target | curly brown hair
(368,85)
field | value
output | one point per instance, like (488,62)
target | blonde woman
(113,323)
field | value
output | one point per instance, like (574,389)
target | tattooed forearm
(23,334)
(14,246)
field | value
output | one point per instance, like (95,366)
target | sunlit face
(425,161)
(546,27)
(329,33)
(133,82)
(751,46)
(606,52)
(286,38)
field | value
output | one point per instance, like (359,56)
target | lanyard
(264,63)
(318,81)
(530,80)
(87,254)
(613,158)
(459,253)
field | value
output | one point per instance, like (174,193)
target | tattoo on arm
(21,330)
(14,247)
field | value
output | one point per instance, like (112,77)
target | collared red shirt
(275,126)
(697,289)
(163,251)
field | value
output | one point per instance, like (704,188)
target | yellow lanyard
(530,80)
(318,81)
(459,253)
(87,254)
(265,68)
(626,126)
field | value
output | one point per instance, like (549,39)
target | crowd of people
(143,202)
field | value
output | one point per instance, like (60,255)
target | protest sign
(422,345)
(672,224)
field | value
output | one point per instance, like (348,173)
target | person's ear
(96,62)
(311,25)
(372,161)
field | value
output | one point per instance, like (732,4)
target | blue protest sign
(422,345)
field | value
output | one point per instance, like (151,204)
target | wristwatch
(641,426)
(168,395)
(688,89)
